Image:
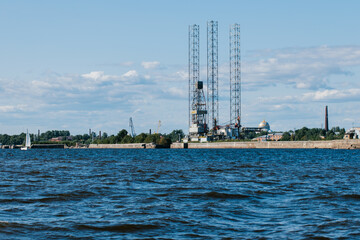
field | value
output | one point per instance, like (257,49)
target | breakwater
(334,144)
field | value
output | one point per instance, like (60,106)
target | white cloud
(332,95)
(92,99)
(303,68)
(177,92)
(13,108)
(150,65)
(97,98)
(127,64)
(130,74)
(97,76)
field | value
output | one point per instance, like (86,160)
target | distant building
(263,127)
(56,139)
(269,137)
(352,133)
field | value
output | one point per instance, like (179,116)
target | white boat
(27,141)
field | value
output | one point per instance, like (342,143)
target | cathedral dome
(264,125)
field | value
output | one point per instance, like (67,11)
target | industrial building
(263,127)
(352,133)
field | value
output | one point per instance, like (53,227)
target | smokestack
(99,134)
(326,119)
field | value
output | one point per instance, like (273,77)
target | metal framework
(235,76)
(132,129)
(197,104)
(212,73)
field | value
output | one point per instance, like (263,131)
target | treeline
(66,138)
(12,139)
(123,137)
(6,139)
(313,134)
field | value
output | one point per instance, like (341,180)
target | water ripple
(180,194)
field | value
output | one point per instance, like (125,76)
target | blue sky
(77,65)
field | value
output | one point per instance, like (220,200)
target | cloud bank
(277,84)
(301,68)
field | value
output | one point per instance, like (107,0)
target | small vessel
(27,141)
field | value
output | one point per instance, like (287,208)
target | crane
(131,125)
(159,125)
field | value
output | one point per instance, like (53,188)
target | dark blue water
(180,194)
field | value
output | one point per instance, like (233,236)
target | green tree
(121,135)
(286,136)
(175,135)
(152,138)
(165,141)
(140,138)
(127,139)
(112,139)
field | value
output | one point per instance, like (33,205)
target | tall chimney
(326,119)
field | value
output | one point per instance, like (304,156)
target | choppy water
(179,194)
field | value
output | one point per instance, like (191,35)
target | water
(179,194)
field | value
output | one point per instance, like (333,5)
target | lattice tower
(212,73)
(197,104)
(235,75)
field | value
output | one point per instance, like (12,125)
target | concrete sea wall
(334,144)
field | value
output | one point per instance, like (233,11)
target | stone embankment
(334,144)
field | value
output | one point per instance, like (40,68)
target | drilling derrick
(212,73)
(197,104)
(235,77)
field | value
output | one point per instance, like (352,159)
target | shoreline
(330,144)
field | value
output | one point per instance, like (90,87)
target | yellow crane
(158,129)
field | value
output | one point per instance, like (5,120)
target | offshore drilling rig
(197,104)
(204,113)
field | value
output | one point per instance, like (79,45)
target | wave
(334,196)
(71,196)
(221,195)
(120,228)
(351,196)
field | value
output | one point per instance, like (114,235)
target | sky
(75,65)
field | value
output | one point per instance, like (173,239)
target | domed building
(265,126)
